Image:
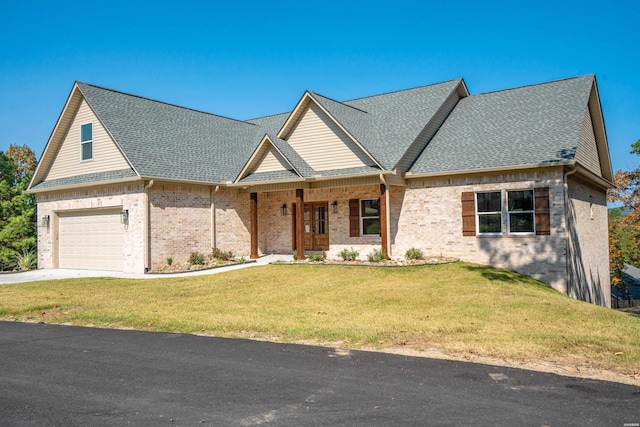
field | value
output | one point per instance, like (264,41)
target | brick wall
(589,278)
(428,215)
(179,222)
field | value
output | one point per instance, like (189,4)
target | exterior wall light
(334,207)
(283,209)
(124,216)
(46,221)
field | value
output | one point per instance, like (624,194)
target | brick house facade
(390,171)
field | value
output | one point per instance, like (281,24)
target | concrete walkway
(61,273)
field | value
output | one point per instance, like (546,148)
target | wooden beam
(384,232)
(253,213)
(300,223)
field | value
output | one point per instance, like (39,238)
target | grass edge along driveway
(459,309)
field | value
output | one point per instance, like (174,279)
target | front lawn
(456,308)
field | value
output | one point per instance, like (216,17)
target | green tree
(624,230)
(17,209)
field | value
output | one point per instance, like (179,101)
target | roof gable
(265,160)
(60,160)
(322,141)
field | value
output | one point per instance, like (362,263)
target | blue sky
(250,59)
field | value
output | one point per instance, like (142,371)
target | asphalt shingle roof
(87,178)
(166,141)
(530,125)
(535,124)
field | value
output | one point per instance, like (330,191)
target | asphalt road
(61,375)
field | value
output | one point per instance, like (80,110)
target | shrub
(295,255)
(27,260)
(349,255)
(318,257)
(414,253)
(221,255)
(170,261)
(196,258)
(377,255)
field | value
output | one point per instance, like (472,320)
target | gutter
(84,184)
(214,190)
(488,170)
(567,236)
(387,216)
(147,226)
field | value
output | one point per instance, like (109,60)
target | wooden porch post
(300,223)
(384,232)
(253,213)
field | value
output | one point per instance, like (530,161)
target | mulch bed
(185,267)
(385,263)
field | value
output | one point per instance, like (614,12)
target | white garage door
(91,240)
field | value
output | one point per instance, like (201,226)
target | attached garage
(91,239)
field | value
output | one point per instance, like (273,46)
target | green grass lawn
(456,308)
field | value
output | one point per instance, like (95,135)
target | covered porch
(326,216)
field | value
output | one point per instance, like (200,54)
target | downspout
(213,216)
(147,226)
(387,216)
(567,239)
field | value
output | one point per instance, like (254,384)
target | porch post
(300,223)
(384,232)
(253,213)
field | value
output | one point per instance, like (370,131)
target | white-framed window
(86,141)
(369,217)
(489,213)
(520,212)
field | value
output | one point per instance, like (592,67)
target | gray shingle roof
(166,141)
(528,125)
(87,178)
(270,176)
(538,124)
(397,118)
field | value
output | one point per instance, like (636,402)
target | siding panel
(587,152)
(272,161)
(323,144)
(106,156)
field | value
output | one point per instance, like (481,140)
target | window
(489,212)
(370,217)
(527,212)
(86,141)
(520,212)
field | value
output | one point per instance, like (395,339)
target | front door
(316,226)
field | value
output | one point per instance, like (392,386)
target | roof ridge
(534,84)
(165,103)
(338,102)
(270,115)
(401,90)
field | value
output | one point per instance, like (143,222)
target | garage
(91,239)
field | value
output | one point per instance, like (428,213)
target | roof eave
(83,185)
(409,175)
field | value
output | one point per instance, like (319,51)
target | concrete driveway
(62,273)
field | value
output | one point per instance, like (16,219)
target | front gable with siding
(393,171)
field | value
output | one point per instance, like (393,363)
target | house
(514,179)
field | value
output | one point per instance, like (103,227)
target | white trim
(361,218)
(532,212)
(478,213)
(82,143)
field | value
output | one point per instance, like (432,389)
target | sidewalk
(56,274)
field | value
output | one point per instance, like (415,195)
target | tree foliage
(17,209)
(624,230)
